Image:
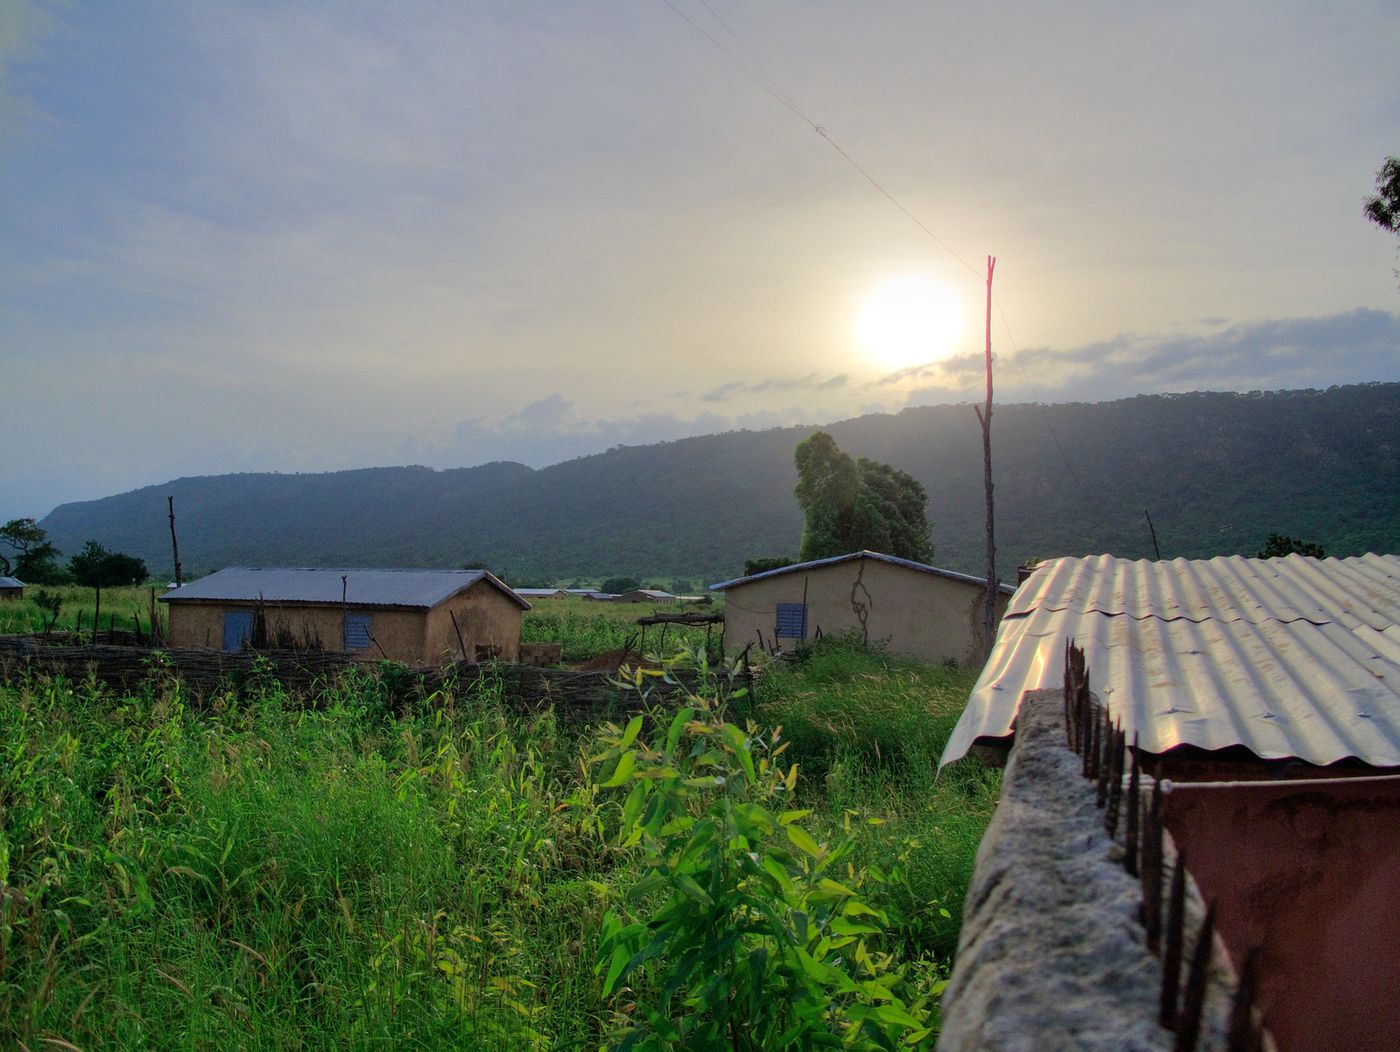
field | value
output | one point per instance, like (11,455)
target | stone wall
(1052,954)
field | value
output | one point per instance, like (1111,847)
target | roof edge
(864,553)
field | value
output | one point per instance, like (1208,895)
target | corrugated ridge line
(1170,680)
(1386,644)
(1367,587)
(1226,588)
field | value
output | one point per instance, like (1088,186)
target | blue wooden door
(792,621)
(238,628)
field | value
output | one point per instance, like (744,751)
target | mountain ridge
(1216,471)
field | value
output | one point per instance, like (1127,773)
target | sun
(908,320)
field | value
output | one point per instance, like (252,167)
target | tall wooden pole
(174,544)
(989,616)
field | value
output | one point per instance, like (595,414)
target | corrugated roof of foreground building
(420,589)
(1291,657)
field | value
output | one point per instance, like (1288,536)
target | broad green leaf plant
(745,931)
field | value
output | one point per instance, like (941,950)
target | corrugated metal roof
(11,582)
(1291,657)
(403,588)
(893,560)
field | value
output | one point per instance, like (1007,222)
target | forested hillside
(1217,472)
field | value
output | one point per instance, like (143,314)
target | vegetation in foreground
(250,870)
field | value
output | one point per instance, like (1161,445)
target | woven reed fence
(311,674)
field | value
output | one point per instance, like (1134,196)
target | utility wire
(757,65)
(755,71)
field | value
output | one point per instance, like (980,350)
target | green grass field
(244,872)
(587,628)
(120,608)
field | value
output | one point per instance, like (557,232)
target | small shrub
(752,934)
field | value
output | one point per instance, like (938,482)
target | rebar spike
(1105,757)
(1086,735)
(1134,814)
(1188,1029)
(1171,956)
(1115,785)
(1152,870)
(1094,741)
(1069,722)
(1244,1033)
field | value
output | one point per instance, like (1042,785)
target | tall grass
(868,730)
(120,606)
(587,628)
(244,871)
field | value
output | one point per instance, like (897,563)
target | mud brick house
(912,609)
(418,617)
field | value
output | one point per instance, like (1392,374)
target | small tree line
(27,554)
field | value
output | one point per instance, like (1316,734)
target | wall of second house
(915,614)
(1309,872)
(400,635)
(489,622)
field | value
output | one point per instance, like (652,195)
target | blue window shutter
(357,631)
(238,628)
(792,621)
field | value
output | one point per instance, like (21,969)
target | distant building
(645,595)
(417,617)
(591,593)
(912,609)
(531,594)
(11,588)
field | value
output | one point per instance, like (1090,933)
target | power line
(1044,415)
(756,72)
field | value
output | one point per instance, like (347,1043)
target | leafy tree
(618,585)
(1277,546)
(900,500)
(25,552)
(764,563)
(1384,208)
(96,568)
(851,505)
(51,603)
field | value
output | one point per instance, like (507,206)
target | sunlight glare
(908,320)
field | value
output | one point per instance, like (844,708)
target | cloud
(1352,347)
(552,429)
(811,382)
(22,26)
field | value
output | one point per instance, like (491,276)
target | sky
(257,236)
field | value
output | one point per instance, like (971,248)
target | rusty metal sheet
(1287,657)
